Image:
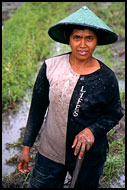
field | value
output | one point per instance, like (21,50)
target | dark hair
(70,30)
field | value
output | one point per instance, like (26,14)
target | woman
(82,97)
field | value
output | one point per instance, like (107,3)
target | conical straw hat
(83,18)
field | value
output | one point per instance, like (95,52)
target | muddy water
(12,122)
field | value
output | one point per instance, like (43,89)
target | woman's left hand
(83,140)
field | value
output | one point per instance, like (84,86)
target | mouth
(83,52)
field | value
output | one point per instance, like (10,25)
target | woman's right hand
(24,159)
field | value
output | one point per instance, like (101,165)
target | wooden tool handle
(76,172)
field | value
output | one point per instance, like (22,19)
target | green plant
(115,164)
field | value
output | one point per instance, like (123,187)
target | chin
(82,58)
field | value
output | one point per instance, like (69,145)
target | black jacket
(95,104)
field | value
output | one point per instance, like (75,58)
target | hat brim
(57,33)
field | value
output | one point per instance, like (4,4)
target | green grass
(115,164)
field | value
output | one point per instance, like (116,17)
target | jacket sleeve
(39,104)
(111,113)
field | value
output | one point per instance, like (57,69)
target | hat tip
(85,7)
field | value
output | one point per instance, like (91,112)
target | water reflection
(11,125)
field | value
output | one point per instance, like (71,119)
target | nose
(83,43)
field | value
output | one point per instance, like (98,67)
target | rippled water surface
(11,125)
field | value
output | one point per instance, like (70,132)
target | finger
(75,142)
(24,171)
(82,151)
(29,167)
(21,170)
(19,166)
(77,148)
(88,146)
(25,165)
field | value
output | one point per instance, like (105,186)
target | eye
(90,38)
(76,37)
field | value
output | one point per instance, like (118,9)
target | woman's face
(83,43)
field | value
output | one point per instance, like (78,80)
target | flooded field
(10,129)
(12,122)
